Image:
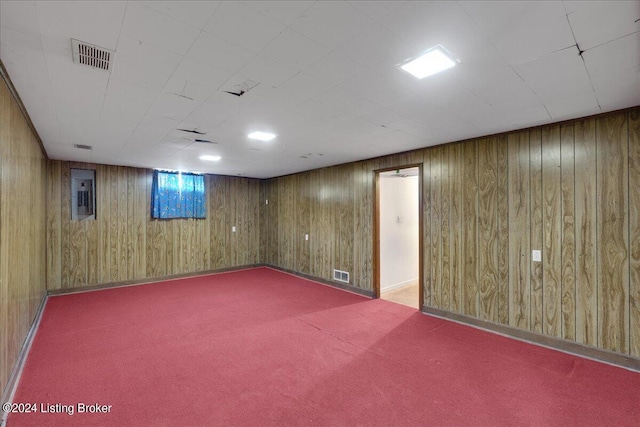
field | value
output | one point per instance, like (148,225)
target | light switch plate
(306,237)
(536,256)
(233,229)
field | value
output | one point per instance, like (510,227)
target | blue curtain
(177,195)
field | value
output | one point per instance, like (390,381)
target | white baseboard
(399,285)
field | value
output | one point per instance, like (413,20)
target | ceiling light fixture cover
(261,136)
(210,158)
(431,62)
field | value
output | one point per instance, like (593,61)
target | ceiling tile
(335,67)
(219,53)
(172,107)
(377,9)
(621,96)
(267,72)
(377,48)
(346,22)
(284,11)
(243,26)
(19,16)
(528,116)
(150,26)
(143,65)
(294,50)
(522,30)
(556,76)
(574,106)
(339,98)
(194,13)
(602,22)
(61,21)
(424,25)
(614,63)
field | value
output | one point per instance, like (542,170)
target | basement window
(177,195)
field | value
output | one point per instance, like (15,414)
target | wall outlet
(306,237)
(266,201)
(233,229)
(536,256)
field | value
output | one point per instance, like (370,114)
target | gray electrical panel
(83,194)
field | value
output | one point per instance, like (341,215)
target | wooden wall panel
(303,218)
(503,230)
(552,232)
(445,228)
(519,239)
(24,227)
(427,232)
(436,227)
(634,233)
(470,231)
(537,242)
(487,203)
(613,228)
(586,238)
(568,252)
(487,228)
(455,248)
(123,243)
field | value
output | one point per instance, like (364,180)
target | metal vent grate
(83,147)
(341,276)
(93,56)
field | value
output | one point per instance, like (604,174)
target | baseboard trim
(399,285)
(148,280)
(10,389)
(343,286)
(588,352)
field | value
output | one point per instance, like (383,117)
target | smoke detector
(91,55)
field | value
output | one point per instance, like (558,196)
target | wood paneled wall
(569,190)
(22,222)
(123,243)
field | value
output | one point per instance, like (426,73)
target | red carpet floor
(264,348)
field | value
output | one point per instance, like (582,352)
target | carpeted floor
(263,348)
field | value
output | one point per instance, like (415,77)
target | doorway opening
(398,231)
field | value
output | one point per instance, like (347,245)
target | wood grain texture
(436,227)
(586,238)
(519,231)
(487,228)
(613,228)
(470,295)
(503,230)
(426,229)
(24,227)
(455,247)
(445,229)
(552,232)
(568,253)
(634,233)
(536,230)
(124,243)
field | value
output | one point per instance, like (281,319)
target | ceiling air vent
(83,147)
(91,55)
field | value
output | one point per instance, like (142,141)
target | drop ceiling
(322,75)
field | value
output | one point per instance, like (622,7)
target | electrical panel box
(83,194)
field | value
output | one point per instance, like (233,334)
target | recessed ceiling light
(429,63)
(261,136)
(210,158)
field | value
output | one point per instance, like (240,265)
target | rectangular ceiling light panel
(431,62)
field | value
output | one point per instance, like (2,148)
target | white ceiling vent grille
(93,56)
